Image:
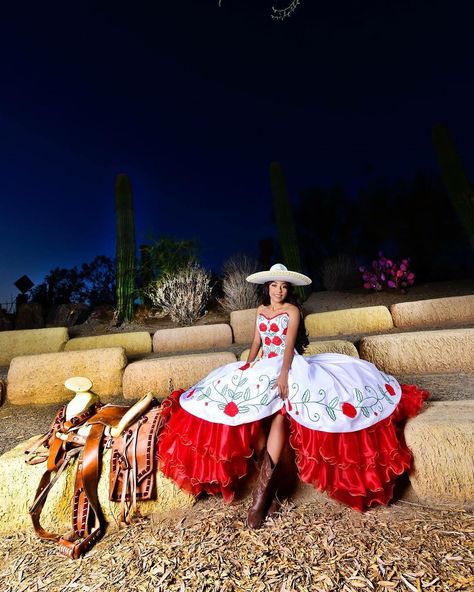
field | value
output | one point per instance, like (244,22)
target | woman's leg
(277,437)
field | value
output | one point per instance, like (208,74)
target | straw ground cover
(320,546)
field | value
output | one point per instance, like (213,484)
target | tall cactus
(146,275)
(125,249)
(285,223)
(455,178)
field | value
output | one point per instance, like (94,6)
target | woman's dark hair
(302,340)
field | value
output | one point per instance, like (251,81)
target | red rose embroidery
(190,394)
(285,330)
(274,328)
(245,366)
(267,340)
(349,410)
(390,390)
(262,327)
(276,340)
(231,409)
(272,355)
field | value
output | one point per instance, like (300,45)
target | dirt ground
(313,547)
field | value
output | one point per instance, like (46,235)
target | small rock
(67,315)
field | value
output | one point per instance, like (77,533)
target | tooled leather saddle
(132,468)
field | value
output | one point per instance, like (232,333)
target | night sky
(194,101)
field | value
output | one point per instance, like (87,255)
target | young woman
(341,416)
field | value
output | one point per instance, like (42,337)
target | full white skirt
(327,392)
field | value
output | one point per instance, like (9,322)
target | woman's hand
(282,384)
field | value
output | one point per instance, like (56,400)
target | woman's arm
(282,381)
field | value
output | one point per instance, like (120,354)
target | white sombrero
(279,273)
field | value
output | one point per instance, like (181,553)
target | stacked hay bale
(31,341)
(39,379)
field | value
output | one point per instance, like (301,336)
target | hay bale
(31,341)
(18,483)
(34,380)
(369,319)
(442,441)
(335,346)
(135,343)
(243,324)
(164,375)
(420,352)
(192,338)
(455,310)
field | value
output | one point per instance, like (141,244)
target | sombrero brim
(292,277)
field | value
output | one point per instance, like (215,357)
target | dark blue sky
(194,101)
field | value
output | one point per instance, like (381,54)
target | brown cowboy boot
(262,493)
(284,480)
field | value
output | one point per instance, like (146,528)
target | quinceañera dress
(345,422)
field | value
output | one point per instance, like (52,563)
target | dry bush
(183,295)
(238,293)
(340,273)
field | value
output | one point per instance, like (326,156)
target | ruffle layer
(357,468)
(202,456)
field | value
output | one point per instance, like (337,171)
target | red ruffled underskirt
(357,468)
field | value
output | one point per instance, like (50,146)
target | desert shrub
(339,273)
(167,255)
(183,295)
(238,293)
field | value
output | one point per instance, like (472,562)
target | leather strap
(45,484)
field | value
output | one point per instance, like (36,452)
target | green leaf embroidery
(359,395)
(224,390)
(305,397)
(370,402)
(221,406)
(244,409)
(247,394)
(264,400)
(331,413)
(365,411)
(334,402)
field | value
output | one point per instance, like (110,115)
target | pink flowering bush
(386,273)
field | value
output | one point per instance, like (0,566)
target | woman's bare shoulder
(292,310)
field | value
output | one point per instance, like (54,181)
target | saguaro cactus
(125,249)
(284,221)
(455,178)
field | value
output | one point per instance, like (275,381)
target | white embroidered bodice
(273,332)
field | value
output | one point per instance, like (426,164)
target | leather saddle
(131,433)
